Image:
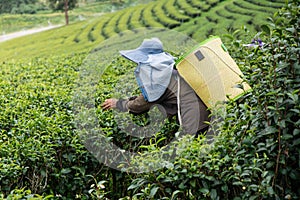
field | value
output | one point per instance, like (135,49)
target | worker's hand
(109,104)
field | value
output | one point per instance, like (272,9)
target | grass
(86,35)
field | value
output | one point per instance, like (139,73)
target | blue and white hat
(140,54)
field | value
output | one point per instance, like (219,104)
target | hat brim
(135,55)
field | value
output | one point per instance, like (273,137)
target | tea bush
(40,152)
(256,154)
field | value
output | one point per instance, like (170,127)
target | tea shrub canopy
(255,154)
(197,19)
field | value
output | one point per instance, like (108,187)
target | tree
(63,5)
(66,7)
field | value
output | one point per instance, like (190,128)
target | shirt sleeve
(135,105)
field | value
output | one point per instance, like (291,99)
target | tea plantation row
(199,19)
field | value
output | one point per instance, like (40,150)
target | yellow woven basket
(212,73)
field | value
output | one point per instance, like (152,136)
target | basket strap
(178,100)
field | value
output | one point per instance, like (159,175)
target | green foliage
(256,155)
(134,20)
(111,27)
(25,194)
(194,18)
(203,5)
(19,6)
(111,85)
(16,22)
(163,17)
(148,19)
(39,149)
(173,12)
(188,8)
(60,4)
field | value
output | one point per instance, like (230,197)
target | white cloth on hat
(153,76)
(154,69)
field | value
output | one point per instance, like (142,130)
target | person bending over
(160,84)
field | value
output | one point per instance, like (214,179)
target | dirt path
(25,32)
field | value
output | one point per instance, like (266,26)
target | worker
(160,84)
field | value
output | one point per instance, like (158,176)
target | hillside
(56,141)
(198,19)
(43,15)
